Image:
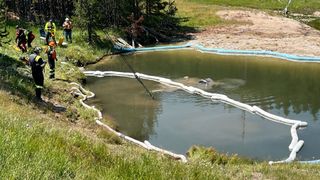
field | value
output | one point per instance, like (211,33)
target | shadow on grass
(16,79)
(101,43)
(12,79)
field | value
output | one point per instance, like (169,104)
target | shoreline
(258,30)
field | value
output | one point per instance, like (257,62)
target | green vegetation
(3,30)
(197,14)
(80,52)
(157,16)
(315,23)
(44,141)
(34,144)
(202,13)
(297,6)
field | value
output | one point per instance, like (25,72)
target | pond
(176,120)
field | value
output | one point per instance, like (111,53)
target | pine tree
(3,30)
(85,16)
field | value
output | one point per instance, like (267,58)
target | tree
(89,15)
(98,14)
(3,30)
(85,12)
(136,28)
(40,10)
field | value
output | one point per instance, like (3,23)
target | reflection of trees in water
(274,84)
(292,87)
(126,102)
(270,84)
(148,117)
(138,120)
(137,113)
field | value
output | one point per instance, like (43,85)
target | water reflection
(284,88)
(134,113)
(288,83)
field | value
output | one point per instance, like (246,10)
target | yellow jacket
(50,27)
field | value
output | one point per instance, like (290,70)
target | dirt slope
(261,31)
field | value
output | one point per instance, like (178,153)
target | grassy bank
(297,6)
(80,52)
(202,13)
(35,144)
(59,139)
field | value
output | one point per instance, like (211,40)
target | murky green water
(176,120)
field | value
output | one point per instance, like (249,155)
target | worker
(21,39)
(50,29)
(31,37)
(37,65)
(52,57)
(67,30)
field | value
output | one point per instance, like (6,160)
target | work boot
(38,94)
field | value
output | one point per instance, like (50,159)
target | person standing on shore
(37,65)
(21,39)
(31,37)
(67,30)
(52,57)
(50,28)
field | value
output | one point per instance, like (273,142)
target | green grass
(34,145)
(197,15)
(202,13)
(36,142)
(80,52)
(298,6)
(315,23)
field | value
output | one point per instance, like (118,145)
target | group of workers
(50,29)
(36,62)
(23,38)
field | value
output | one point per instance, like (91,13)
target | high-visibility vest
(33,61)
(50,27)
(37,58)
(51,52)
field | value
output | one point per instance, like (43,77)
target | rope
(285,11)
(137,77)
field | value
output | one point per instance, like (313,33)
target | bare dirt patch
(261,31)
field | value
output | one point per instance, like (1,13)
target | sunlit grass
(298,6)
(202,13)
(37,143)
(198,15)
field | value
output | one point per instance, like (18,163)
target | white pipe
(292,156)
(177,156)
(294,136)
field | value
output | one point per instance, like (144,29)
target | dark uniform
(37,64)
(31,37)
(51,52)
(21,39)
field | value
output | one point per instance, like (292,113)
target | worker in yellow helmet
(50,29)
